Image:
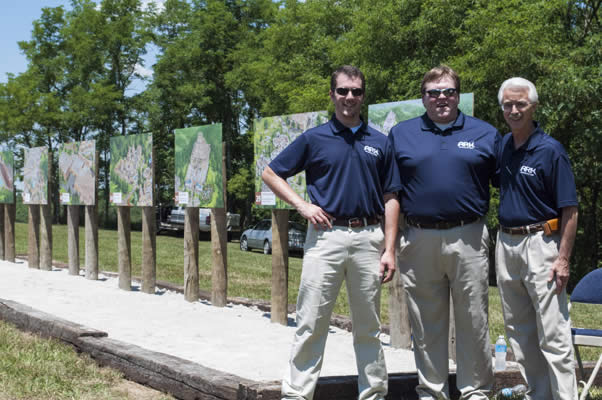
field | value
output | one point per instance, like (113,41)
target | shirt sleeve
(293,159)
(497,148)
(390,178)
(565,192)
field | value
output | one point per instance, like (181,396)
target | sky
(16,22)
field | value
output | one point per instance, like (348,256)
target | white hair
(518,83)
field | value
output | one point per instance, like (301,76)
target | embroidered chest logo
(527,170)
(466,145)
(371,150)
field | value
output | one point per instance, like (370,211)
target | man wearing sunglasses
(537,189)
(446,161)
(352,181)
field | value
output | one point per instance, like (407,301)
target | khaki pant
(352,255)
(434,263)
(536,318)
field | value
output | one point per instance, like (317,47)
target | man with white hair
(538,222)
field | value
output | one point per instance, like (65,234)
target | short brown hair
(350,71)
(437,73)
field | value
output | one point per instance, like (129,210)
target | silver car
(259,236)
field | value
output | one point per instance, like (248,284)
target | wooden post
(73,238)
(9,228)
(92,230)
(399,329)
(219,241)
(2,234)
(149,250)
(452,330)
(191,254)
(124,247)
(33,243)
(46,224)
(279,312)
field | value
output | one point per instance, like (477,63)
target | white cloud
(160,4)
(142,71)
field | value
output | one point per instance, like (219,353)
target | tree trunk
(191,254)
(279,313)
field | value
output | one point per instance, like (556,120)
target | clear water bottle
(515,393)
(500,353)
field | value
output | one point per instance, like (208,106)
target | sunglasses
(343,91)
(435,93)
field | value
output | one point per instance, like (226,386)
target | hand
(560,273)
(314,214)
(387,266)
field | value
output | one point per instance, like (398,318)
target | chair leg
(581,371)
(591,379)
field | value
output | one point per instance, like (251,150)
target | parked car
(259,236)
(174,221)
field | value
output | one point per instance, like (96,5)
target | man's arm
(568,229)
(387,259)
(282,189)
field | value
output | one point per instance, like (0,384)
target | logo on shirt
(371,150)
(466,145)
(527,170)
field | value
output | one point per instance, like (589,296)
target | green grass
(249,273)
(43,369)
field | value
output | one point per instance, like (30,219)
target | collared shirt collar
(428,125)
(534,138)
(337,126)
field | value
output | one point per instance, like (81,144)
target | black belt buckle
(355,222)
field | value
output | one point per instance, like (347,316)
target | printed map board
(132,170)
(272,135)
(7,166)
(383,117)
(198,159)
(35,175)
(77,175)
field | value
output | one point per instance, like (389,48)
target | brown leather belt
(441,224)
(356,222)
(522,230)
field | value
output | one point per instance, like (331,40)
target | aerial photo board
(35,175)
(77,175)
(132,170)
(383,117)
(272,135)
(7,165)
(198,181)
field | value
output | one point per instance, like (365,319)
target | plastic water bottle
(515,393)
(500,353)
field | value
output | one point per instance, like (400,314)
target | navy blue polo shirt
(536,180)
(347,173)
(445,174)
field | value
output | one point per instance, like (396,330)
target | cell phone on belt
(550,227)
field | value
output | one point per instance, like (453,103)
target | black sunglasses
(435,93)
(356,92)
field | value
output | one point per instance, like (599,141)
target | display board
(383,117)
(35,175)
(272,135)
(77,175)
(7,167)
(198,159)
(132,170)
